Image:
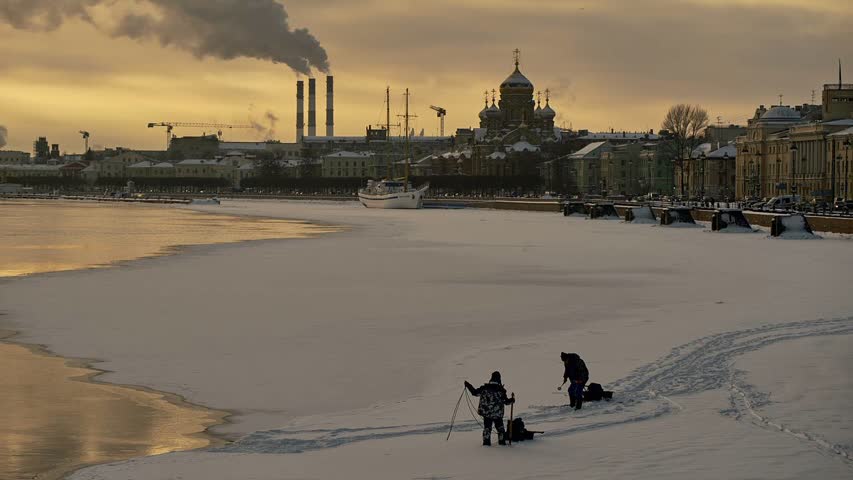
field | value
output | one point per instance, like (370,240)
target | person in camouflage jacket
(493,398)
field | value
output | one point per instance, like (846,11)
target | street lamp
(846,146)
(758,174)
(628,186)
(793,177)
(702,157)
(725,183)
(751,177)
(778,173)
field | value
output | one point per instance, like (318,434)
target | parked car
(782,202)
(843,205)
(820,205)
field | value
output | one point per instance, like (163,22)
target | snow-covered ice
(343,356)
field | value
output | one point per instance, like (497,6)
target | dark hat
(496,377)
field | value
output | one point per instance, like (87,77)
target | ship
(394,193)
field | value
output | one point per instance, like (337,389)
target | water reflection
(39,237)
(51,419)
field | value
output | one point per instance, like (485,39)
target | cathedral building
(516,113)
(513,129)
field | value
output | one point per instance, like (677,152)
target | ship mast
(408,146)
(388,132)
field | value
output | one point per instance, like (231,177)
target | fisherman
(576,373)
(493,398)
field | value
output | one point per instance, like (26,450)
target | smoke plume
(266,126)
(225,29)
(3,136)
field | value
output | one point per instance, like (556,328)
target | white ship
(392,194)
(397,194)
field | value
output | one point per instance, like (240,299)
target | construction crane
(440,113)
(85,140)
(171,125)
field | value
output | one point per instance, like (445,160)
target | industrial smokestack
(312,107)
(330,106)
(300,110)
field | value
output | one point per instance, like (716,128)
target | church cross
(780,99)
(517,56)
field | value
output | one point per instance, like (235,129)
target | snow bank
(792,227)
(640,215)
(730,221)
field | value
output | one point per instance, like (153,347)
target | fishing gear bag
(519,432)
(595,393)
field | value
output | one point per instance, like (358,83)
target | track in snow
(646,393)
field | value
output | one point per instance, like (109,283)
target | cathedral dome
(493,111)
(538,112)
(517,81)
(484,113)
(548,112)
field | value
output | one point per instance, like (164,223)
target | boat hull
(413,199)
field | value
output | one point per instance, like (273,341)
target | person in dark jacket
(576,373)
(493,398)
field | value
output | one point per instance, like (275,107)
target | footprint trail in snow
(646,393)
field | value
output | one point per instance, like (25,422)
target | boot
(501,439)
(571,402)
(579,403)
(487,442)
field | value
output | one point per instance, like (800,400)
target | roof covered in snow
(523,146)
(588,150)
(145,164)
(842,133)
(232,146)
(780,112)
(620,136)
(727,151)
(705,148)
(347,154)
(840,123)
(199,161)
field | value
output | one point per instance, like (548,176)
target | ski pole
(511,411)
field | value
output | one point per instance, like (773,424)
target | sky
(608,63)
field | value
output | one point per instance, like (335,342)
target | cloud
(224,29)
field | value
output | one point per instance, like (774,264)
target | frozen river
(344,355)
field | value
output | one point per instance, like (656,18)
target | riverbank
(52,406)
(360,341)
(57,413)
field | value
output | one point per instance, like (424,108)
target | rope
(472,409)
(453,420)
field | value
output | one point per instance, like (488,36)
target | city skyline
(608,65)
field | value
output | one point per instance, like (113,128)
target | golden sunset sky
(609,63)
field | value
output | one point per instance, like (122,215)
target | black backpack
(519,432)
(594,393)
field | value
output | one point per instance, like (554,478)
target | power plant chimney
(330,106)
(300,110)
(312,107)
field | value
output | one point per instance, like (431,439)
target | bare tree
(685,124)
